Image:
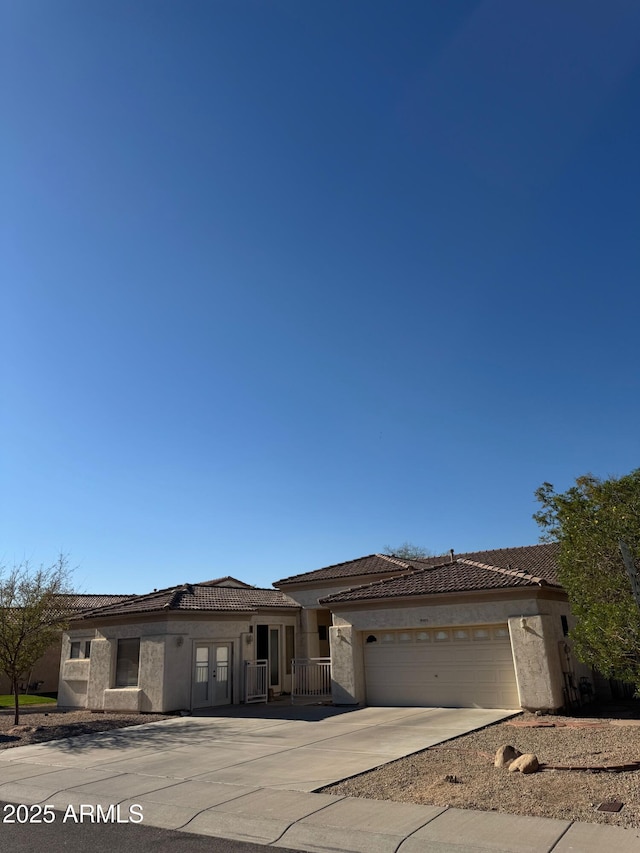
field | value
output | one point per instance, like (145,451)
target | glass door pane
(222,674)
(201,686)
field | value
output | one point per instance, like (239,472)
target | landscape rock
(527,763)
(505,755)
(450,777)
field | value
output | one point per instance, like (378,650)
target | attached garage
(463,666)
(483,629)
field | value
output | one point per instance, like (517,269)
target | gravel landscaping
(43,725)
(460,772)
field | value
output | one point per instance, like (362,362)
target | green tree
(594,522)
(34,609)
(408,551)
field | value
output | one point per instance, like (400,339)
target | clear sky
(285,282)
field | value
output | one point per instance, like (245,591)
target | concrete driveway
(245,773)
(298,749)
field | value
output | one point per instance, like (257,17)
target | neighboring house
(483,629)
(184,647)
(45,673)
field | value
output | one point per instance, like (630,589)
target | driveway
(245,773)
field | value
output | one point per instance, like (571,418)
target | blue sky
(284,282)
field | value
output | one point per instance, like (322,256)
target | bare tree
(408,551)
(34,609)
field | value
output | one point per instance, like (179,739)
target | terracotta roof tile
(91,601)
(196,597)
(538,560)
(373,564)
(463,575)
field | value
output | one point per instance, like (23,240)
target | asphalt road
(69,837)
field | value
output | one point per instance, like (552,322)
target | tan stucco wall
(537,664)
(309,594)
(536,656)
(347,666)
(166,660)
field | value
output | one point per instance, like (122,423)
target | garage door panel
(475,671)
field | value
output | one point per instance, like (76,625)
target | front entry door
(212,675)
(268,647)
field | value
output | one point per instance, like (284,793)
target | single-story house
(184,647)
(485,629)
(45,673)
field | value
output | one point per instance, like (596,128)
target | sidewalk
(250,776)
(326,824)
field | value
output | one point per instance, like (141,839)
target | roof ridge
(392,559)
(513,548)
(515,573)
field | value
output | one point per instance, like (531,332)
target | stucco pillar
(347,666)
(99,673)
(309,645)
(537,664)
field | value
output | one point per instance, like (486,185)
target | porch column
(309,644)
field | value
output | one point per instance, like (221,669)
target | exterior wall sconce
(523,622)
(339,634)
(248,639)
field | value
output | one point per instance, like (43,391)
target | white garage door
(462,667)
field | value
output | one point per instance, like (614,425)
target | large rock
(527,763)
(505,755)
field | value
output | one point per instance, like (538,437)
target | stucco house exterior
(184,647)
(483,629)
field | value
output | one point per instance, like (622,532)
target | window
(565,625)
(80,649)
(323,633)
(127,663)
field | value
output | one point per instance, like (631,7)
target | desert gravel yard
(569,795)
(43,725)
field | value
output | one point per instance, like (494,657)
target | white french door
(211,675)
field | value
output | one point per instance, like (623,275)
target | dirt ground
(47,723)
(474,783)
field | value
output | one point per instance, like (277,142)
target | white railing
(255,681)
(311,680)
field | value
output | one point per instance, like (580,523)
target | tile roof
(91,601)
(373,564)
(194,598)
(463,575)
(538,560)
